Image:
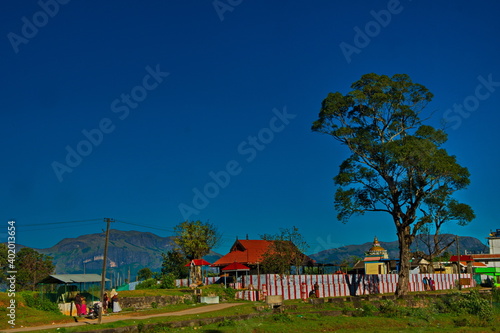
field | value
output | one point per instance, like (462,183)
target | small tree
(285,251)
(3,262)
(174,263)
(32,266)
(397,164)
(195,240)
(144,274)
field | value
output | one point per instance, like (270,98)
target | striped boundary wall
(332,285)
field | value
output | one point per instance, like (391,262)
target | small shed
(69,286)
(196,263)
(236,267)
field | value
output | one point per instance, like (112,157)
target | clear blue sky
(171,93)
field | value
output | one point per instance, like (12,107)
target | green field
(454,312)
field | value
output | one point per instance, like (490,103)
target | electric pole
(458,262)
(103,276)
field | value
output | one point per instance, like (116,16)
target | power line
(40,224)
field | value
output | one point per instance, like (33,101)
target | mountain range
(129,251)
(337,255)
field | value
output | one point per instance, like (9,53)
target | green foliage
(230,293)
(195,239)
(495,294)
(285,251)
(33,300)
(32,267)
(282,318)
(227,323)
(168,281)
(147,284)
(154,305)
(174,263)
(144,274)
(397,164)
(471,303)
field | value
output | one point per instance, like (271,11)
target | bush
(168,281)
(226,323)
(147,284)
(495,294)
(230,293)
(33,300)
(470,303)
(282,318)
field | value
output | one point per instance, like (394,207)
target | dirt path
(112,318)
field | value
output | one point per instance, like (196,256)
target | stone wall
(145,302)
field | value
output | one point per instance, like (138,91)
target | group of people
(108,303)
(428,283)
(111,302)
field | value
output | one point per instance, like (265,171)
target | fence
(332,285)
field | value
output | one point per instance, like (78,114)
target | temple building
(377,260)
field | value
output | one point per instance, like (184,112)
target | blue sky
(162,99)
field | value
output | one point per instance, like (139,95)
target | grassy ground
(298,316)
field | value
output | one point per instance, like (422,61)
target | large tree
(195,239)
(397,164)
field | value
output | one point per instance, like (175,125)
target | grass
(299,316)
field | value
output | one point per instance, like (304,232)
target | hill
(128,252)
(336,255)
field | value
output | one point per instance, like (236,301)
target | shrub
(495,294)
(33,300)
(147,284)
(230,293)
(282,318)
(168,281)
(226,323)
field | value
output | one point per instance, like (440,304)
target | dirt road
(117,317)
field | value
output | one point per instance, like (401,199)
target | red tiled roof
(198,262)
(247,252)
(236,266)
(462,258)
(485,256)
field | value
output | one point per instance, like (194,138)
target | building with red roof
(249,253)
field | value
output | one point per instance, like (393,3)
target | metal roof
(71,278)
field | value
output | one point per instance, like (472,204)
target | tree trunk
(404,240)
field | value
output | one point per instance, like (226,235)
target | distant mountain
(336,255)
(128,251)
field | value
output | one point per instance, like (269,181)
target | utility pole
(458,262)
(103,276)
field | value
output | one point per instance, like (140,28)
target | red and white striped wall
(332,285)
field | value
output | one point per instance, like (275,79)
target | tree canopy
(286,250)
(174,263)
(32,266)
(195,239)
(397,163)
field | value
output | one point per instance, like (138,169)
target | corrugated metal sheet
(71,278)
